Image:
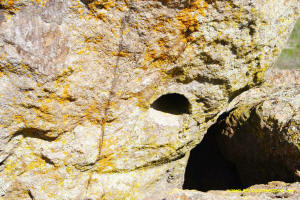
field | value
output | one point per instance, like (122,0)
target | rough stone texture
(260,134)
(272,190)
(77,80)
(277,76)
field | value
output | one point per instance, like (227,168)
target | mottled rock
(275,76)
(260,134)
(80,82)
(272,190)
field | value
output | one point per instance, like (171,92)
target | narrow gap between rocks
(173,103)
(207,169)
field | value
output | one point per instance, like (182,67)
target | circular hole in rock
(172,103)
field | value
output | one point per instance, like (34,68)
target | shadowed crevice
(34,133)
(207,169)
(47,160)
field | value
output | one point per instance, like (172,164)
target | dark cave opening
(172,103)
(207,169)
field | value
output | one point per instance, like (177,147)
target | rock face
(260,134)
(104,99)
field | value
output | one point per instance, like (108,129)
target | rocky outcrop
(105,99)
(260,134)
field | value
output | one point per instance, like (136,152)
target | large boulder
(260,134)
(105,99)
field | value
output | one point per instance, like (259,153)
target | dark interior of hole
(176,104)
(207,169)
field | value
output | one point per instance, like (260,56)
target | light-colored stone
(275,76)
(78,79)
(272,190)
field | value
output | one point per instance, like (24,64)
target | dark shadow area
(34,133)
(260,154)
(207,169)
(175,104)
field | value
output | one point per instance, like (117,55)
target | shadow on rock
(207,169)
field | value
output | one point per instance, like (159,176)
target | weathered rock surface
(78,78)
(260,133)
(272,190)
(275,76)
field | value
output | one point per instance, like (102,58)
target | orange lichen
(10,166)
(181,27)
(121,54)
(188,16)
(102,16)
(106,163)
(12,6)
(92,113)
(38,163)
(96,39)
(18,118)
(66,95)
